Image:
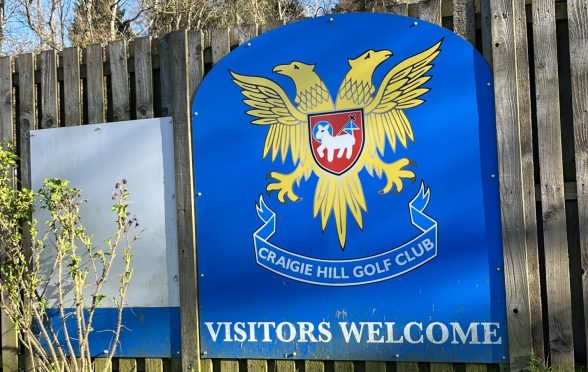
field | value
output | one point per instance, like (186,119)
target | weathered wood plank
(314,366)
(430,11)
(375,366)
(143,78)
(49,112)
(578,36)
(119,80)
(241,34)
(195,62)
(561,343)
(127,365)
(27,117)
(25,64)
(102,365)
(515,265)
(177,63)
(229,366)
(286,366)
(270,26)
(8,337)
(528,176)
(95,83)
(220,43)
(464,19)
(206,365)
(153,365)
(72,87)
(476,368)
(400,9)
(441,367)
(407,367)
(6,109)
(256,365)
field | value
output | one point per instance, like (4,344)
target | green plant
(58,267)
(538,365)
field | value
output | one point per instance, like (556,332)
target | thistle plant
(54,277)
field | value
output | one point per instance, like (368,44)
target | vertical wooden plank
(314,366)
(476,368)
(400,9)
(286,366)
(509,155)
(8,338)
(206,365)
(71,86)
(430,11)
(176,61)
(143,78)
(165,75)
(26,117)
(153,365)
(102,365)
(578,36)
(486,28)
(242,33)
(343,366)
(528,176)
(270,26)
(120,80)
(6,111)
(48,66)
(127,365)
(407,367)
(375,366)
(229,366)
(95,83)
(464,19)
(256,365)
(441,367)
(561,343)
(25,66)
(413,10)
(220,44)
(195,61)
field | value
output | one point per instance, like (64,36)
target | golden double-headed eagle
(385,121)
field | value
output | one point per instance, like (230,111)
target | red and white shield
(336,139)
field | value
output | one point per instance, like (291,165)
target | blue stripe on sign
(147,331)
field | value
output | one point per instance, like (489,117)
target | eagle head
(369,60)
(294,70)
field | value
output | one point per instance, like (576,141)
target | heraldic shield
(336,139)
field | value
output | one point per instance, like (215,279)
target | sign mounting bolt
(498,269)
(198,194)
(204,352)
(248,44)
(415,23)
(195,113)
(488,84)
(397,355)
(202,275)
(331,19)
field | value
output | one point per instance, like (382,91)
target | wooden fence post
(557,267)
(8,337)
(578,32)
(509,153)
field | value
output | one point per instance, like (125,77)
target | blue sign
(347,196)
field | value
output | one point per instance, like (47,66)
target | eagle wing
(271,106)
(400,89)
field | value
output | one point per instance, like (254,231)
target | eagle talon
(395,172)
(283,186)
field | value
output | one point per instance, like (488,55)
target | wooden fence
(539,53)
